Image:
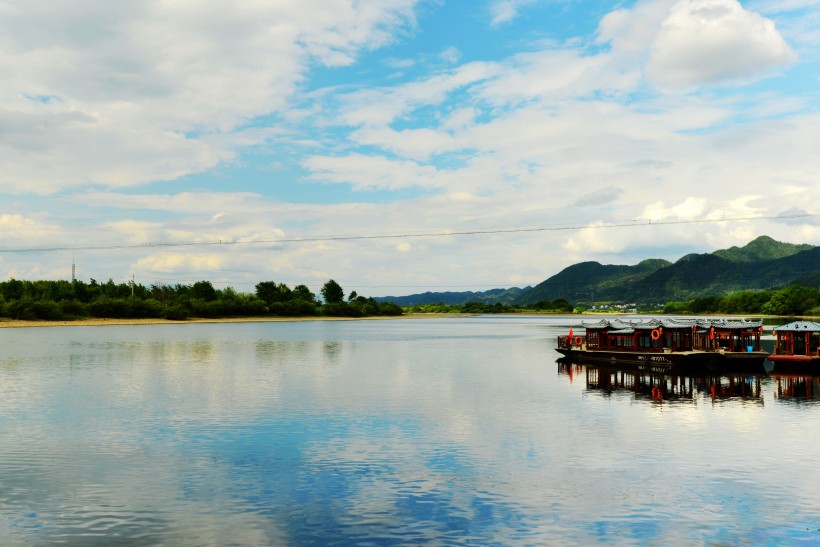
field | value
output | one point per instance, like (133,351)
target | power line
(314,239)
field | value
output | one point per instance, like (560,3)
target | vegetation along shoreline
(763,278)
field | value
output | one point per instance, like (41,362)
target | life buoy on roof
(656,334)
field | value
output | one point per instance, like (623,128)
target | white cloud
(778,6)
(371,172)
(382,106)
(565,135)
(504,11)
(184,202)
(691,209)
(450,55)
(630,31)
(133,91)
(705,42)
(14,227)
(174,262)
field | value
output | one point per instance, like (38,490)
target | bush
(32,310)
(340,309)
(46,309)
(72,308)
(176,312)
(390,308)
(124,308)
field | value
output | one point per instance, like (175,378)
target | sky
(400,146)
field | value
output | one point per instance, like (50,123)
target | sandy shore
(13,323)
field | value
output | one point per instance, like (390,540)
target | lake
(388,432)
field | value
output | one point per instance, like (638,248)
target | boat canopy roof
(622,331)
(619,324)
(799,326)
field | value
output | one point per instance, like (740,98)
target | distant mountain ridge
(503,296)
(761,264)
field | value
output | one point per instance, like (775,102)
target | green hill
(591,280)
(761,249)
(761,264)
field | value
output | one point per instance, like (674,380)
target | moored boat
(797,348)
(669,344)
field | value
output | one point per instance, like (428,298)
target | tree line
(789,301)
(546,306)
(65,300)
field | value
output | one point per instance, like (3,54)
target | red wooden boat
(669,344)
(797,348)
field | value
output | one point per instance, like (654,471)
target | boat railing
(570,342)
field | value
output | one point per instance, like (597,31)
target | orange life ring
(578,340)
(656,334)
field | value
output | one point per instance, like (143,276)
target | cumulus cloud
(629,31)
(122,93)
(690,209)
(557,135)
(190,262)
(16,227)
(704,42)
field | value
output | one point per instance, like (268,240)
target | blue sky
(495,142)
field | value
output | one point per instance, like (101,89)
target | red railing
(571,342)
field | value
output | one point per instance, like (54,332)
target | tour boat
(797,348)
(669,344)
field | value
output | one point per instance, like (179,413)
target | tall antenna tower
(73,270)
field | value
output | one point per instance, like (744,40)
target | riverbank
(93,322)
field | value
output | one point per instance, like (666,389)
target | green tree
(793,300)
(333,293)
(203,290)
(301,292)
(270,292)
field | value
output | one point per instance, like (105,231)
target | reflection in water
(333,351)
(798,388)
(439,431)
(664,388)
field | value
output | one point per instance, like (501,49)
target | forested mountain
(762,264)
(591,280)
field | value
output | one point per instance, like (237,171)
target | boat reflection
(664,388)
(797,388)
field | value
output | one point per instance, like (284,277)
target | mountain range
(761,264)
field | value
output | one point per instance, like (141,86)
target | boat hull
(671,362)
(808,365)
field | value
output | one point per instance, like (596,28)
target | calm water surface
(436,431)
